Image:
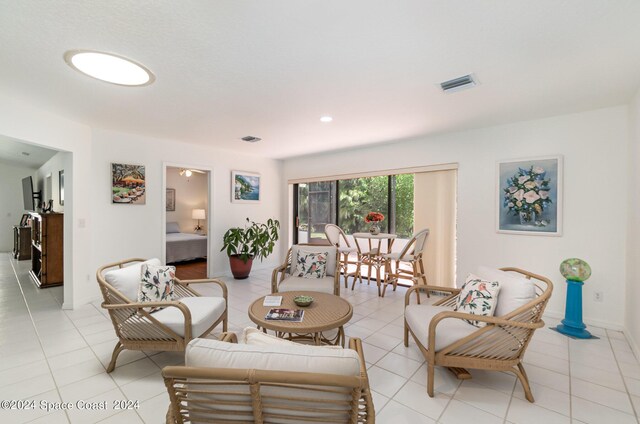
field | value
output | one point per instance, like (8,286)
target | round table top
(325,313)
(375,236)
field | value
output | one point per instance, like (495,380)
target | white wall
(59,162)
(632,293)
(594,145)
(191,193)
(125,231)
(11,200)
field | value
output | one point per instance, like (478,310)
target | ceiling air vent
(251,139)
(458,84)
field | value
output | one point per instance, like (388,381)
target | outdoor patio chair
(412,255)
(338,238)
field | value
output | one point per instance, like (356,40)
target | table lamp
(198,214)
(576,271)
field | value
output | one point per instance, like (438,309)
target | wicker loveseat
(447,340)
(169,329)
(225,382)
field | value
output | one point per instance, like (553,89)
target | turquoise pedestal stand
(572,324)
(576,271)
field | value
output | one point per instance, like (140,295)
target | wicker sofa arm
(186,283)
(229,337)
(275,280)
(496,321)
(141,305)
(407,296)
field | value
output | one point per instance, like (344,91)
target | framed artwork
(245,187)
(128,184)
(61,187)
(171,199)
(529,196)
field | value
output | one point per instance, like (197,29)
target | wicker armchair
(245,395)
(282,280)
(446,340)
(139,329)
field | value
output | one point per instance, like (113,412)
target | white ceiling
(231,68)
(15,152)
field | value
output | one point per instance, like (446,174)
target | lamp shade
(198,214)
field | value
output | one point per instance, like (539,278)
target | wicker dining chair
(283,280)
(235,391)
(411,254)
(446,339)
(338,238)
(168,329)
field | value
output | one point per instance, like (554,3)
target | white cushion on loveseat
(515,291)
(204,312)
(449,330)
(298,358)
(127,280)
(324,285)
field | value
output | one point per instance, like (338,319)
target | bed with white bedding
(184,246)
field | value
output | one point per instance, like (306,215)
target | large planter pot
(239,268)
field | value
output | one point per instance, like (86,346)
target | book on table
(278,314)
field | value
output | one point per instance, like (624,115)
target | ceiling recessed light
(326,119)
(109,67)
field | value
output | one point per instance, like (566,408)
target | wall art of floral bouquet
(529,195)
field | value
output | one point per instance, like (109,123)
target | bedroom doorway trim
(209,209)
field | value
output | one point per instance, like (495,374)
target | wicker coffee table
(327,312)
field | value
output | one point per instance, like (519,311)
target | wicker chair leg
(406,334)
(116,351)
(225,322)
(430,379)
(524,380)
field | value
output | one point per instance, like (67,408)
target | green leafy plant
(254,241)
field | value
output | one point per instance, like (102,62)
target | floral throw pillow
(478,297)
(311,264)
(156,284)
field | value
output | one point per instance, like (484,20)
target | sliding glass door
(316,208)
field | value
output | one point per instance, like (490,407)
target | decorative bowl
(303,300)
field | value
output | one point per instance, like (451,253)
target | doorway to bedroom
(187,223)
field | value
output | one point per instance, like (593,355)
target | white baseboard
(595,322)
(635,346)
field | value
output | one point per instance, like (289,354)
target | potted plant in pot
(243,245)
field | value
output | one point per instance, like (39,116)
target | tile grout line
(624,382)
(46,359)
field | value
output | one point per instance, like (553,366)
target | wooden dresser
(47,249)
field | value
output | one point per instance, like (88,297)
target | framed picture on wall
(529,196)
(245,187)
(171,199)
(128,184)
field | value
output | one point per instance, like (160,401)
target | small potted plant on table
(243,245)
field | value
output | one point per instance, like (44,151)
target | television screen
(27,194)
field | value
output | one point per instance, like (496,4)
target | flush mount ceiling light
(109,67)
(326,119)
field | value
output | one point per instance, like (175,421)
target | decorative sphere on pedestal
(576,271)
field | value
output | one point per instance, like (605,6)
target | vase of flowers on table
(374,218)
(527,195)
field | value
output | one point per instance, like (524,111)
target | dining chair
(412,255)
(338,238)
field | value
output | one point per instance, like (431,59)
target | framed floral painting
(530,196)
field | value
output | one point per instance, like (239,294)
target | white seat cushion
(204,312)
(395,256)
(515,291)
(255,337)
(448,330)
(324,285)
(127,280)
(283,357)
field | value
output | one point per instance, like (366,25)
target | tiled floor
(60,356)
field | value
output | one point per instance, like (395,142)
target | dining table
(373,256)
